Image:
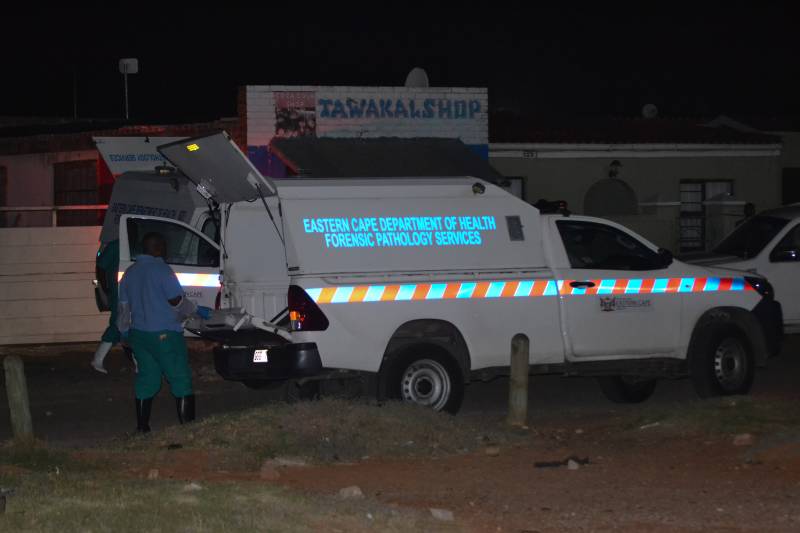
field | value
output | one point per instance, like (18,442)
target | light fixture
(613,169)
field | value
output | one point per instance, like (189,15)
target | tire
(721,362)
(425,375)
(626,389)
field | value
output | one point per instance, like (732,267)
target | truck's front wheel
(721,362)
(427,376)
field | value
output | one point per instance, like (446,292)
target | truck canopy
(398,225)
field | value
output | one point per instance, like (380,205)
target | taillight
(761,285)
(304,313)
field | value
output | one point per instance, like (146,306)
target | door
(618,297)
(782,269)
(193,257)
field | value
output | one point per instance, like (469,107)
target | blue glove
(204,312)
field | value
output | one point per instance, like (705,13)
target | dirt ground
(673,464)
(638,478)
(652,483)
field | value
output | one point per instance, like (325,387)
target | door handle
(579,284)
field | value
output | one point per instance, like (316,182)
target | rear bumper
(287,361)
(770,316)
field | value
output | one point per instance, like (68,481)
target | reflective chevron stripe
(192,279)
(519,289)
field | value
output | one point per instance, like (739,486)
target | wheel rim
(426,382)
(730,364)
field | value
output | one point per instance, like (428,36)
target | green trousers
(111,334)
(157,353)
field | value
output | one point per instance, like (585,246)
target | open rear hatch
(222,172)
(218,168)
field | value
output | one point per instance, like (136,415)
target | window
(694,194)
(75,183)
(3,187)
(598,246)
(789,244)
(3,195)
(751,237)
(184,247)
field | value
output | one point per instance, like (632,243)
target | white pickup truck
(767,244)
(422,283)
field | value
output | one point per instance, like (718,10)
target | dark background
(691,60)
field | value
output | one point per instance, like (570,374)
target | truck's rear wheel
(626,389)
(721,362)
(425,375)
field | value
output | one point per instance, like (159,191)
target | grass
(57,491)
(98,502)
(726,416)
(33,456)
(332,430)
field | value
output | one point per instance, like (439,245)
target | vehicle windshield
(751,237)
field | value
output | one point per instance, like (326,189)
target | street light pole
(125,77)
(129,65)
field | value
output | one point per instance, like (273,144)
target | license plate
(260,356)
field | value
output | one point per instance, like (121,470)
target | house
(681,183)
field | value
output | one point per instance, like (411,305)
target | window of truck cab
(590,245)
(751,237)
(184,246)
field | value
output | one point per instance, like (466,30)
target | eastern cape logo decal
(622,303)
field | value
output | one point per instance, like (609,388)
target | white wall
(46,292)
(756,179)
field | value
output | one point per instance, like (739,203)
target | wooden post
(18,401)
(518,386)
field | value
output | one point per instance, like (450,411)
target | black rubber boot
(143,415)
(185,405)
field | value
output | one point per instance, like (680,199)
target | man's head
(154,244)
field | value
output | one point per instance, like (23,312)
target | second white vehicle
(767,244)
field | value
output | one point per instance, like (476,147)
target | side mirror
(785,255)
(665,257)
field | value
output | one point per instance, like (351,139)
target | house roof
(78,135)
(761,123)
(381,157)
(513,128)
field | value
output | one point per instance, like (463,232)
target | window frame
(192,231)
(686,215)
(643,244)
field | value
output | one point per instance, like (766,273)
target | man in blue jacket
(152,308)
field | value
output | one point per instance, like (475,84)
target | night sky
(691,60)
